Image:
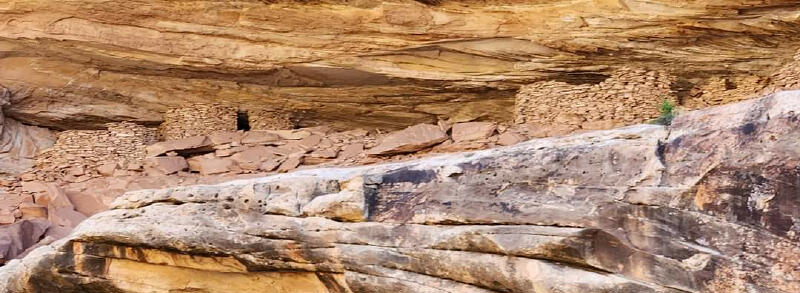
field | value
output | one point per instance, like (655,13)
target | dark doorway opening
(242,121)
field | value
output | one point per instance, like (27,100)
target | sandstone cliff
(708,204)
(82,63)
(19,143)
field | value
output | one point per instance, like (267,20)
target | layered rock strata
(706,205)
(80,64)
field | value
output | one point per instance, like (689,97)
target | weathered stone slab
(184,146)
(408,140)
(469,131)
(164,165)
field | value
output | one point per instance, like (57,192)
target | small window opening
(729,85)
(242,121)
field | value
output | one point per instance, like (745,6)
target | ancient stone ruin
(80,154)
(401,146)
(197,119)
(633,95)
(638,209)
(627,97)
(268,119)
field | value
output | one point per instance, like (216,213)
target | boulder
(469,131)
(229,151)
(34,186)
(210,166)
(7,218)
(33,211)
(225,137)
(409,140)
(53,197)
(76,171)
(291,163)
(86,203)
(164,165)
(184,146)
(16,238)
(310,142)
(260,137)
(293,134)
(65,217)
(451,147)
(107,169)
(328,153)
(510,138)
(270,165)
(133,166)
(352,150)
(251,158)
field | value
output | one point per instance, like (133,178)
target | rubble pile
(257,151)
(82,161)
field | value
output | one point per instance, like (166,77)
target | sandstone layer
(366,63)
(19,143)
(708,204)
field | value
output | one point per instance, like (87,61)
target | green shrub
(667,110)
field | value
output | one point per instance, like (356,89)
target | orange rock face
(246,89)
(392,64)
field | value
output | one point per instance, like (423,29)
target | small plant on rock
(667,110)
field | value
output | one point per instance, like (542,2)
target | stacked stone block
(787,77)
(122,143)
(264,119)
(629,96)
(719,91)
(196,120)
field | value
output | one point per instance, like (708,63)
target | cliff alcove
(399,146)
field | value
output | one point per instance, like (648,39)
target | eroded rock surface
(80,64)
(707,205)
(19,143)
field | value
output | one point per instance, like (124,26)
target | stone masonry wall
(628,96)
(722,90)
(633,95)
(123,143)
(787,77)
(196,120)
(263,119)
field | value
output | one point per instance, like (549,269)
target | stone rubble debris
(86,169)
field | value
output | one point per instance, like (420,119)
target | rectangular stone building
(197,119)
